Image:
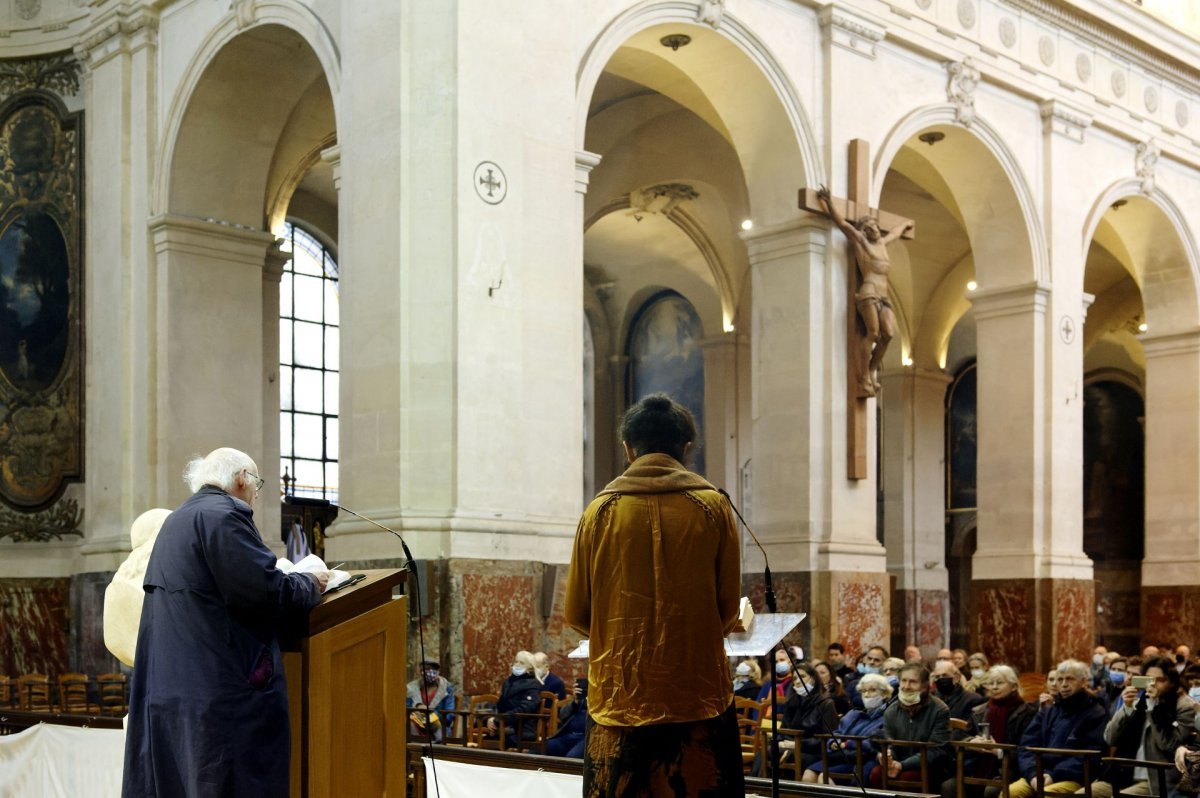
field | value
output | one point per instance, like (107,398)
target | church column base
(850,607)
(1170,615)
(1032,624)
(921,618)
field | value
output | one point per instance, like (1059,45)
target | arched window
(308,366)
(665,355)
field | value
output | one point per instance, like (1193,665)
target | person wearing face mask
(875,692)
(1149,725)
(1112,683)
(977,667)
(521,693)
(1003,718)
(550,682)
(1075,722)
(747,679)
(918,716)
(809,709)
(891,671)
(783,678)
(1190,680)
(433,692)
(948,683)
(1098,661)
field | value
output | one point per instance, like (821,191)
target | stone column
(119,53)
(269,512)
(914,489)
(816,526)
(1170,609)
(1033,596)
(721,355)
(201,265)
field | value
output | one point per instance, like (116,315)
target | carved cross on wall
(853,207)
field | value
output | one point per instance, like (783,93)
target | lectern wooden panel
(346,686)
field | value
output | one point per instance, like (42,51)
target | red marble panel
(1005,623)
(498,613)
(1171,615)
(931,614)
(861,616)
(34,617)
(1073,618)
(559,638)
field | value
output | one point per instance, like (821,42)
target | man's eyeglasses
(258,481)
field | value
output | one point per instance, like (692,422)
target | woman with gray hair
(1001,719)
(875,693)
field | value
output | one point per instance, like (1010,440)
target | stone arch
(1164,259)
(796,162)
(989,209)
(299,20)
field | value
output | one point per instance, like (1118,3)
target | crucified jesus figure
(871,299)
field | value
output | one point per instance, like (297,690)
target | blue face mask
(865,668)
(894,681)
(518,670)
(1116,677)
(1194,693)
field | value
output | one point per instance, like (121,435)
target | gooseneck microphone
(408,566)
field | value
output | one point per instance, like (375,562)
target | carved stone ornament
(960,90)
(41,335)
(28,9)
(1008,32)
(1181,113)
(711,12)
(1064,120)
(1151,98)
(1083,67)
(1046,50)
(966,13)
(244,12)
(55,73)
(62,520)
(662,198)
(1118,83)
(1144,161)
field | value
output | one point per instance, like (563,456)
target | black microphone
(411,564)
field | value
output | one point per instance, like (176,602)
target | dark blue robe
(208,709)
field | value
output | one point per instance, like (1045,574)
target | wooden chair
(747,708)
(73,695)
(479,709)
(1001,781)
(33,690)
(6,692)
(789,764)
(1088,756)
(921,785)
(550,706)
(1031,685)
(834,758)
(1157,771)
(748,737)
(114,693)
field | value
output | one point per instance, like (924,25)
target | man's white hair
(1073,667)
(220,469)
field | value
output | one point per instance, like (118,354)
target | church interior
(417,259)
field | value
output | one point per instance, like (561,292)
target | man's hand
(1129,695)
(491,724)
(1181,759)
(577,693)
(321,578)
(1045,699)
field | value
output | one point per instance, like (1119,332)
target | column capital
(585,162)
(332,155)
(1010,300)
(805,236)
(850,31)
(1180,342)
(118,30)
(212,239)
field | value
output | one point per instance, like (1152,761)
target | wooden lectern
(346,683)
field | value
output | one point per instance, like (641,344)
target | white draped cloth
(459,780)
(51,761)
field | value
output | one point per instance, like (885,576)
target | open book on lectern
(765,631)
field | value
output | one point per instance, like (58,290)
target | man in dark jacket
(1075,721)
(569,740)
(208,712)
(948,681)
(918,716)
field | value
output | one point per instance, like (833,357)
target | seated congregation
(957,726)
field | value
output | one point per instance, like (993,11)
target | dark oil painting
(34,301)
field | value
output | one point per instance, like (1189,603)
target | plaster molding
(1011,300)
(807,236)
(585,162)
(121,30)
(850,31)
(1144,161)
(332,155)
(210,238)
(960,89)
(1065,120)
(1171,344)
(711,13)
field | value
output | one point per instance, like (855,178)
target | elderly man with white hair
(1074,721)
(208,709)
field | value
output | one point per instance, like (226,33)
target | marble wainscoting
(1031,624)
(88,653)
(849,607)
(1170,614)
(35,616)
(922,618)
(1118,605)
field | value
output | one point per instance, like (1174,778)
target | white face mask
(1098,659)
(743,669)
(802,686)
(908,699)
(977,672)
(872,702)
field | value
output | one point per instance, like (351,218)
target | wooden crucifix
(869,329)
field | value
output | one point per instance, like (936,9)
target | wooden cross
(854,206)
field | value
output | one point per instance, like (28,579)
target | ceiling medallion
(675,41)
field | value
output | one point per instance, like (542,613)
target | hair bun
(657,401)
